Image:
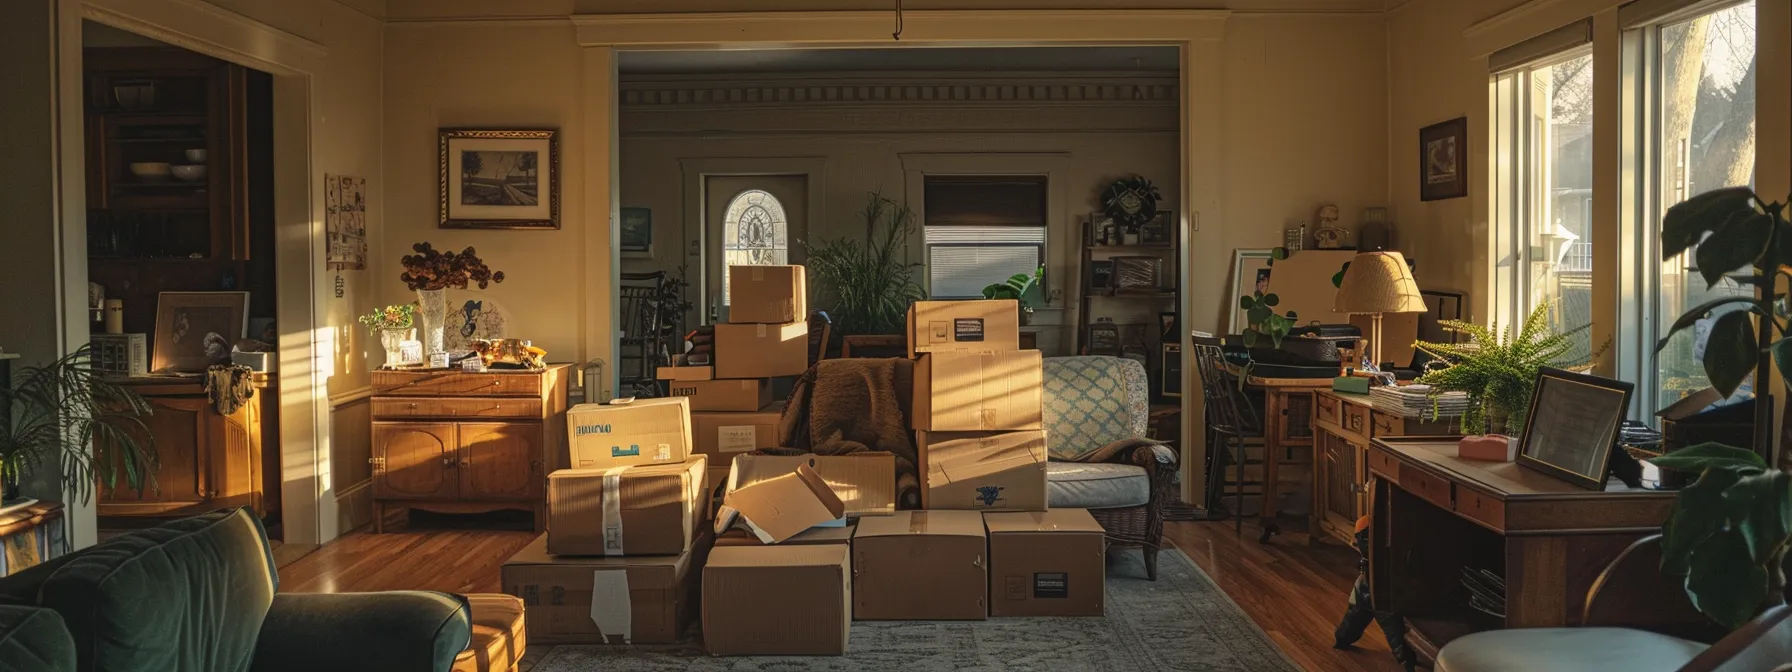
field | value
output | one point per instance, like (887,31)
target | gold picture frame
(498,179)
(195,330)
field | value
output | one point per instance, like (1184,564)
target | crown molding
(843,28)
(936,90)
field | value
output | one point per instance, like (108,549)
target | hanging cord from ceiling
(898,34)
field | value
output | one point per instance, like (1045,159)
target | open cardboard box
(778,508)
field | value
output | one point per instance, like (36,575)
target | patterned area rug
(1181,622)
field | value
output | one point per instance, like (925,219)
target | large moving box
(723,434)
(864,482)
(920,565)
(762,350)
(777,600)
(615,600)
(650,509)
(979,391)
(767,294)
(1046,563)
(989,471)
(642,431)
(723,395)
(991,325)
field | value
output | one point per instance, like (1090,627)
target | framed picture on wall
(1443,160)
(636,230)
(498,179)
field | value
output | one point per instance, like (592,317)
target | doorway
(749,220)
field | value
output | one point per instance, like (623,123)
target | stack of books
(1415,401)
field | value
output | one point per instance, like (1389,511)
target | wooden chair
(1232,428)
(643,347)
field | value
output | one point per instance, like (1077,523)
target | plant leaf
(1724,581)
(1760,507)
(1709,456)
(1688,221)
(1782,356)
(1271,300)
(1696,313)
(1730,353)
(1740,241)
(1697,514)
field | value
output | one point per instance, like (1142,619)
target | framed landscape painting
(496,179)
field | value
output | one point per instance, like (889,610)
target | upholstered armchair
(1096,412)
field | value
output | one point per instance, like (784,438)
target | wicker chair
(1093,404)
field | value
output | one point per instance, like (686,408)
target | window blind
(962,260)
(1541,47)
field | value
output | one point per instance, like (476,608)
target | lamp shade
(1376,283)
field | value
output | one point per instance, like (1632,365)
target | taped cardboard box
(631,510)
(987,471)
(777,600)
(979,391)
(920,565)
(767,294)
(685,373)
(1046,563)
(723,395)
(864,482)
(629,432)
(723,434)
(990,325)
(813,535)
(778,508)
(762,350)
(616,600)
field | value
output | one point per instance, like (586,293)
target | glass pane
(962,260)
(1559,203)
(1706,140)
(754,233)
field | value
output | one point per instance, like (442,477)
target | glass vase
(391,340)
(434,311)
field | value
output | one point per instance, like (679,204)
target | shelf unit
(1123,306)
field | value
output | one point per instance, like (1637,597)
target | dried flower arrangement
(430,270)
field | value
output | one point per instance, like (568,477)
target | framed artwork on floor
(1250,274)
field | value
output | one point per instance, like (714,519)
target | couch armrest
(34,639)
(352,632)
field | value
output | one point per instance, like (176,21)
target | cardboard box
(615,600)
(724,434)
(777,600)
(1046,563)
(652,509)
(723,395)
(767,294)
(685,373)
(778,508)
(991,325)
(920,565)
(864,482)
(983,470)
(813,535)
(762,350)
(642,431)
(979,391)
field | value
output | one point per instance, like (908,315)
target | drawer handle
(496,383)
(411,406)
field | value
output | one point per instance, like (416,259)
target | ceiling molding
(211,30)
(873,28)
(1159,91)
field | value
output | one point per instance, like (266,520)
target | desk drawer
(441,407)
(1354,418)
(1325,409)
(1426,486)
(1481,507)
(1383,464)
(1382,424)
(461,384)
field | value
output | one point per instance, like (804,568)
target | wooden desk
(1436,513)
(1287,424)
(1344,424)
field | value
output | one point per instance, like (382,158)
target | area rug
(1180,622)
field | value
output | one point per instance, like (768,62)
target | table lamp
(1377,283)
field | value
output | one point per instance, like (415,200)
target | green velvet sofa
(202,595)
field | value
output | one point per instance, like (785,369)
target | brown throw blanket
(844,406)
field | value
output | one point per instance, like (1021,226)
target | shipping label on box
(761,350)
(979,391)
(777,600)
(628,510)
(724,434)
(723,395)
(778,508)
(767,294)
(1046,563)
(613,600)
(991,325)
(986,471)
(864,482)
(920,565)
(640,431)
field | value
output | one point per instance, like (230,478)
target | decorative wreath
(1131,202)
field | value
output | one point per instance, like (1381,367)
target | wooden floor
(1294,591)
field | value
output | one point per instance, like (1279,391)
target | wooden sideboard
(206,460)
(1436,513)
(1344,423)
(457,442)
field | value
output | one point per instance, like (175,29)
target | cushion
(498,634)
(1543,649)
(1100,485)
(34,640)
(1091,402)
(351,632)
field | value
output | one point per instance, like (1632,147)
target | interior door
(749,219)
(414,460)
(500,460)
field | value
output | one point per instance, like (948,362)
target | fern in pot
(68,420)
(1498,369)
(867,283)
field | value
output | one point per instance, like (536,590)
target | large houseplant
(67,418)
(867,283)
(1022,288)
(1498,369)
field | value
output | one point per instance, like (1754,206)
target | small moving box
(762,350)
(986,471)
(864,482)
(778,508)
(652,509)
(767,294)
(1046,563)
(724,434)
(920,565)
(967,326)
(723,395)
(979,391)
(616,600)
(642,431)
(777,600)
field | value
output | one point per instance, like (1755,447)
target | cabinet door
(180,437)
(235,456)
(500,460)
(414,460)
(1337,477)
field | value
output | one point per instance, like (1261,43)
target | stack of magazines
(1415,401)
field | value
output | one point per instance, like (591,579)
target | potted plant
(1498,369)
(1019,287)
(393,325)
(430,273)
(69,419)
(868,283)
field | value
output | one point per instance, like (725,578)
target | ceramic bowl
(196,155)
(150,171)
(188,173)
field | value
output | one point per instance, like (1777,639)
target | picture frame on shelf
(1250,268)
(1103,339)
(1169,329)
(1156,231)
(498,179)
(1101,274)
(1573,426)
(1103,230)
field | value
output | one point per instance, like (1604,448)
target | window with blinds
(980,230)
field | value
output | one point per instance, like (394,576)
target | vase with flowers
(430,273)
(393,325)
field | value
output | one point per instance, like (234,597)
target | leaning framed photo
(1443,160)
(1250,274)
(195,330)
(1573,426)
(498,179)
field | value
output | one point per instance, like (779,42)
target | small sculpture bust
(1328,236)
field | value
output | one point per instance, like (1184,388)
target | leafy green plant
(1734,230)
(398,316)
(69,418)
(867,284)
(1017,287)
(1498,369)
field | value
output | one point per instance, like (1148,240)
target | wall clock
(1131,202)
